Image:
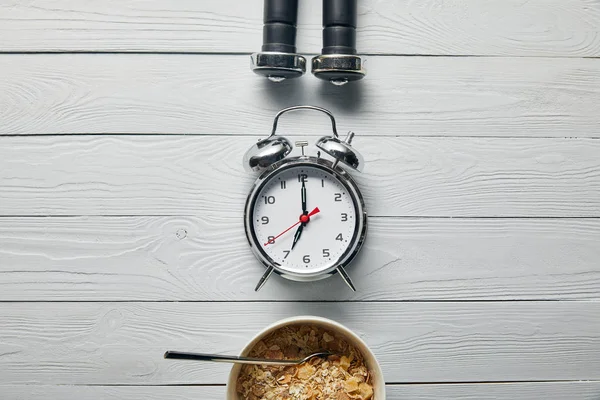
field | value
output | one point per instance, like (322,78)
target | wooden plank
(506,391)
(402,96)
(166,175)
(191,258)
(123,343)
(503,391)
(558,28)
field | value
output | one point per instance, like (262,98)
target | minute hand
(303,193)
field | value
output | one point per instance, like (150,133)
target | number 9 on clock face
(305,219)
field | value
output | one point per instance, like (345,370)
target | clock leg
(346,278)
(264,278)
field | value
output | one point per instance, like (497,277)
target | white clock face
(310,243)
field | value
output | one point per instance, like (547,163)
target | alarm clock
(305,218)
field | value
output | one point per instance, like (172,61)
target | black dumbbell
(338,62)
(278,59)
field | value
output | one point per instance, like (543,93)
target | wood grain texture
(212,94)
(94,290)
(200,175)
(559,28)
(505,391)
(123,343)
(207,259)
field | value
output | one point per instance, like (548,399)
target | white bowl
(351,337)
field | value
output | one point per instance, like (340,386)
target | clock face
(304,219)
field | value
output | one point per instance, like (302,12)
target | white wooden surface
(121,192)
(123,343)
(204,259)
(563,28)
(206,94)
(494,391)
(199,175)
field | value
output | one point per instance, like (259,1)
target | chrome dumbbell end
(338,62)
(277,59)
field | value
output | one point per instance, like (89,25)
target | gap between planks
(432,301)
(386,384)
(404,217)
(235,135)
(401,217)
(306,55)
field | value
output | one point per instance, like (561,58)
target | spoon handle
(179,355)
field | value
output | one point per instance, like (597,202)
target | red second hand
(310,214)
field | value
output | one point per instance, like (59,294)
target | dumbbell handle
(339,26)
(279,29)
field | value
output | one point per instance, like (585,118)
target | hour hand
(297,235)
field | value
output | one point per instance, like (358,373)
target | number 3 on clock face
(305,219)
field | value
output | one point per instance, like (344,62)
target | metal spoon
(239,360)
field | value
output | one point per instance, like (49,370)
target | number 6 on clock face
(305,219)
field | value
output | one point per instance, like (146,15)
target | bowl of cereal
(350,373)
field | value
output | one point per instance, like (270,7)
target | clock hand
(303,193)
(313,212)
(298,234)
(303,219)
(304,212)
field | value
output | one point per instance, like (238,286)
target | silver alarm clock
(305,217)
